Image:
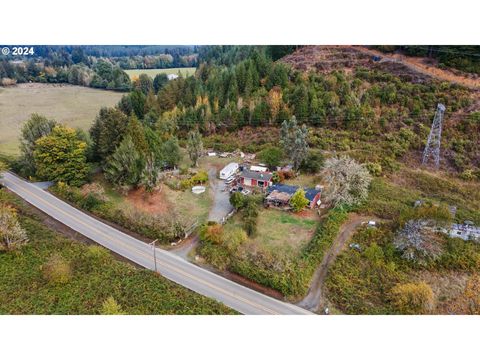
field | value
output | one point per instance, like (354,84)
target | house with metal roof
(255,179)
(279,195)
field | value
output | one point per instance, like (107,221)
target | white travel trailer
(258,168)
(228,170)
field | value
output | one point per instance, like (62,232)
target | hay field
(74,106)
(152,72)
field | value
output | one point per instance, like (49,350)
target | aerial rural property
(215,179)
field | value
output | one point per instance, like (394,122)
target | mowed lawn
(153,72)
(75,106)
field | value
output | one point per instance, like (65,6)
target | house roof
(262,176)
(276,195)
(311,193)
(291,189)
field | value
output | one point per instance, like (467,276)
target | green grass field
(74,106)
(280,231)
(152,72)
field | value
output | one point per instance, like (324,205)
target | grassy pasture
(281,231)
(153,72)
(75,106)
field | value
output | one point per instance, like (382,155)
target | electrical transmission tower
(432,149)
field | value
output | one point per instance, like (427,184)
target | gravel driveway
(221,198)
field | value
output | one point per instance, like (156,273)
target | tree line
(257,91)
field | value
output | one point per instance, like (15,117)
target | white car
(246,192)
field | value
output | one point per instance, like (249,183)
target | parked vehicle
(230,180)
(236,189)
(246,192)
(228,171)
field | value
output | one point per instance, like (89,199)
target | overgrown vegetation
(166,228)
(290,273)
(80,279)
(363,281)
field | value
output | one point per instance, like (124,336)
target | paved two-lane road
(204,282)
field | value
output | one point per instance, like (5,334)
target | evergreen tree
(138,99)
(171,152)
(107,132)
(194,146)
(159,82)
(124,167)
(300,102)
(293,139)
(144,84)
(136,131)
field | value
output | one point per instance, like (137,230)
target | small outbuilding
(279,195)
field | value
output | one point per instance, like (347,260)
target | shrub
(12,235)
(375,169)
(111,307)
(237,200)
(412,298)
(57,270)
(199,178)
(417,241)
(272,156)
(97,252)
(90,202)
(95,189)
(313,163)
(468,175)
(298,201)
(250,216)
(212,233)
(276,178)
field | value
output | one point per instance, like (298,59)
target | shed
(312,195)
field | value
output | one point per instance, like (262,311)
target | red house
(262,180)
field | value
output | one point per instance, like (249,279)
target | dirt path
(315,299)
(418,64)
(185,247)
(221,198)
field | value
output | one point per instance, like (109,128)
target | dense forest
(247,86)
(370,103)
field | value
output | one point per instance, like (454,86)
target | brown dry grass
(75,106)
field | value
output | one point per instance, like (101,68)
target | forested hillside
(367,104)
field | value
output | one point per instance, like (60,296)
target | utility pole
(154,253)
(432,149)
